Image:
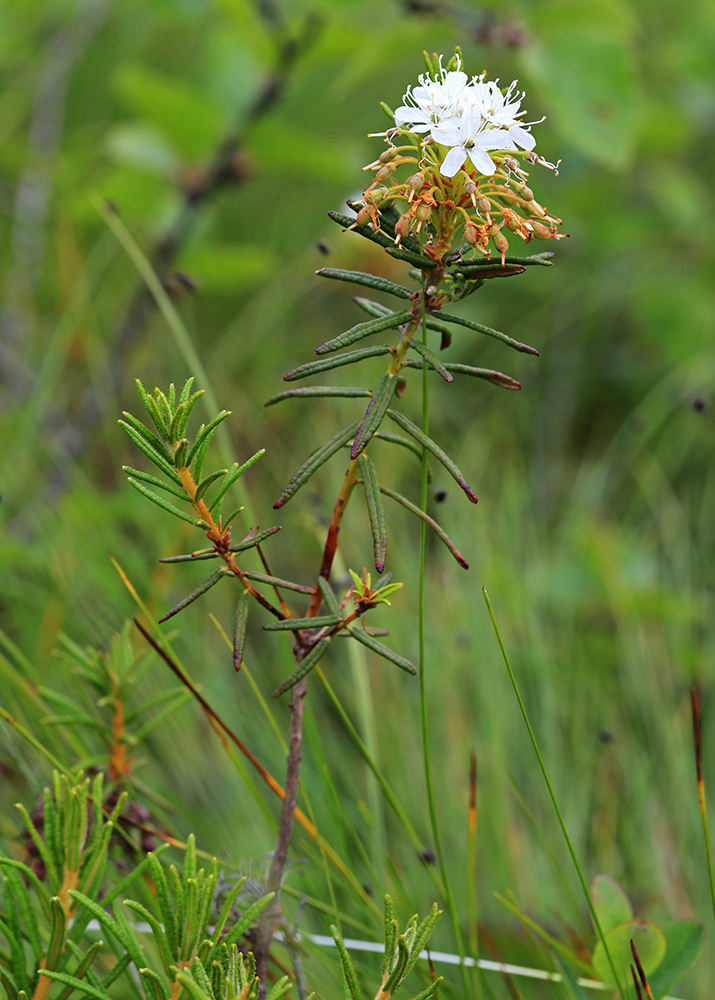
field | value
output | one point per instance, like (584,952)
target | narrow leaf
(440,532)
(406,424)
(152,408)
(304,667)
(110,923)
(239,629)
(275,581)
(490,269)
(537,258)
(166,908)
(346,392)
(471,325)
(205,483)
(313,463)
(167,958)
(234,473)
(151,453)
(352,986)
(375,413)
(498,378)
(154,985)
(430,358)
(366,639)
(165,505)
(370,280)
(147,478)
(375,511)
(190,403)
(205,433)
(191,556)
(254,538)
(315,367)
(78,984)
(331,601)
(55,945)
(246,919)
(424,263)
(296,624)
(362,330)
(370,307)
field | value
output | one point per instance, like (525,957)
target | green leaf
(78,984)
(362,330)
(314,462)
(392,930)
(352,986)
(331,601)
(475,266)
(304,667)
(165,505)
(375,413)
(160,483)
(497,378)
(406,424)
(120,931)
(234,473)
(683,943)
(487,330)
(154,985)
(650,944)
(158,458)
(276,581)
(440,532)
(14,937)
(315,367)
(346,392)
(166,908)
(239,629)
(279,989)
(152,408)
(24,903)
(254,538)
(207,481)
(296,624)
(431,359)
(375,511)
(370,280)
(610,902)
(246,919)
(55,945)
(189,404)
(385,652)
(204,435)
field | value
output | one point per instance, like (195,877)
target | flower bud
(385,171)
(483,205)
(402,227)
(377,195)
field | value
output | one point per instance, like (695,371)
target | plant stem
(449,898)
(552,794)
(269,916)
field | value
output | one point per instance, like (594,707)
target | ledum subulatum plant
(448,187)
(94,909)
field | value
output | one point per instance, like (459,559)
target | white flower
(469,117)
(461,135)
(433,101)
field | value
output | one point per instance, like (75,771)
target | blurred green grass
(595,528)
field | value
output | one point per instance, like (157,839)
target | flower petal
(453,161)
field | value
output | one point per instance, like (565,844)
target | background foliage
(596,522)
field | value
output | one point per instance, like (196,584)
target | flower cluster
(469,117)
(468,142)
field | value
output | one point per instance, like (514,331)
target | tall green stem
(449,897)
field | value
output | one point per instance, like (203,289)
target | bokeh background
(221,132)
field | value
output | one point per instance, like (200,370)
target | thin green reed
(552,793)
